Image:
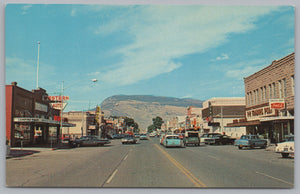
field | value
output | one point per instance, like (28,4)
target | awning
(41,121)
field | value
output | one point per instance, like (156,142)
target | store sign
(31,119)
(277,105)
(257,113)
(41,107)
(58,98)
(58,105)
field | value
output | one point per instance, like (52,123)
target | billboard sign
(277,103)
(58,98)
(58,105)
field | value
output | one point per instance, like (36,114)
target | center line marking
(187,173)
(112,176)
(125,157)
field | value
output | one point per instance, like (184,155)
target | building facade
(270,95)
(30,119)
(218,112)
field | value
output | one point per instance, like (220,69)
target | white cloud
(73,12)
(25,8)
(164,33)
(222,57)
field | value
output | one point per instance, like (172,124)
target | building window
(284,87)
(274,91)
(270,91)
(256,96)
(265,92)
(262,94)
(250,98)
(293,84)
(280,88)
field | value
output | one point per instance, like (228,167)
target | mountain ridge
(142,108)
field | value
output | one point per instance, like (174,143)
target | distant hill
(142,108)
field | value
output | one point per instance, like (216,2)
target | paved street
(148,164)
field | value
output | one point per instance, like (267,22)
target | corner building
(270,96)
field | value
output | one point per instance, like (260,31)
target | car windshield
(193,134)
(172,137)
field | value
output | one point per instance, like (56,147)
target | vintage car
(191,138)
(251,141)
(286,148)
(172,141)
(90,140)
(210,136)
(220,140)
(129,139)
(143,137)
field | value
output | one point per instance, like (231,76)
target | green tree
(151,128)
(129,122)
(157,122)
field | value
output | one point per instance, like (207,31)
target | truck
(251,141)
(191,138)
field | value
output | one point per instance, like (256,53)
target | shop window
(22,133)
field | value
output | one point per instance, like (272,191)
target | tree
(151,128)
(157,122)
(129,122)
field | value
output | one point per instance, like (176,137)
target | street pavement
(148,164)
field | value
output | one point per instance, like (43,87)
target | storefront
(30,118)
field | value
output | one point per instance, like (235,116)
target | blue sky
(189,51)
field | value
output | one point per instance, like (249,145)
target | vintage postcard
(149,96)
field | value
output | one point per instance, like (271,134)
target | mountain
(142,108)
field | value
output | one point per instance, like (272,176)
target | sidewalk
(25,151)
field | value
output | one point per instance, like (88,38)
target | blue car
(172,141)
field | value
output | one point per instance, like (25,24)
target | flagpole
(38,64)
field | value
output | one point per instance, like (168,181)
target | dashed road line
(112,176)
(274,178)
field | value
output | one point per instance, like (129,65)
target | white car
(152,135)
(286,148)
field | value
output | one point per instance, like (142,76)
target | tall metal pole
(61,111)
(38,64)
(222,119)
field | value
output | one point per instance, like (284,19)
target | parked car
(250,141)
(117,136)
(129,139)
(152,135)
(191,138)
(203,137)
(220,140)
(143,137)
(172,141)
(137,135)
(286,148)
(210,136)
(90,141)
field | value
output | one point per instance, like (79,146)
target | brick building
(270,96)
(30,118)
